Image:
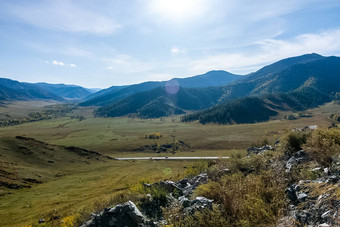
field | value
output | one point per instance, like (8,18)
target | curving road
(169,158)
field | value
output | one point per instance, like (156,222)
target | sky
(103,43)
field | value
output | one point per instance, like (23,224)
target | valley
(169,113)
(54,181)
(67,151)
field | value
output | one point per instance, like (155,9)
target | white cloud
(63,15)
(55,62)
(158,77)
(177,10)
(60,63)
(124,63)
(176,50)
(268,51)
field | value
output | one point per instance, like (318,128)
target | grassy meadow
(72,184)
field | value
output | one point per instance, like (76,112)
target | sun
(178,10)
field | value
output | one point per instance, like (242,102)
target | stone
(259,150)
(184,201)
(199,203)
(324,225)
(223,171)
(302,197)
(291,193)
(169,186)
(295,159)
(126,214)
(326,214)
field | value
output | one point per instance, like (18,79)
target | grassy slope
(83,185)
(19,109)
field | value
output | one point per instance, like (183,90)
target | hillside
(26,161)
(297,87)
(254,109)
(66,91)
(101,92)
(113,94)
(288,75)
(14,90)
(290,84)
(158,103)
(210,79)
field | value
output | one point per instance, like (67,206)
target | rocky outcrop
(126,214)
(259,150)
(150,214)
(315,202)
(309,202)
(295,159)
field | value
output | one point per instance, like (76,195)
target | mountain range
(295,83)
(14,90)
(114,94)
(292,84)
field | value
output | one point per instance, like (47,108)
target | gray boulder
(259,150)
(295,159)
(126,214)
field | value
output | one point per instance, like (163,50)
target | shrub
(260,142)
(196,168)
(247,165)
(207,218)
(246,200)
(294,140)
(323,144)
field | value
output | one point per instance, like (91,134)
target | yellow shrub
(68,221)
(323,144)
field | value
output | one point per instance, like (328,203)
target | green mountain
(114,94)
(66,91)
(282,76)
(158,103)
(254,109)
(308,83)
(291,84)
(14,90)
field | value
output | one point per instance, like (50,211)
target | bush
(323,144)
(294,140)
(207,218)
(260,142)
(196,168)
(246,200)
(247,165)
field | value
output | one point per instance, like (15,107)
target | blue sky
(101,43)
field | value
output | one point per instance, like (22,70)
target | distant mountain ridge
(306,83)
(294,83)
(12,90)
(114,94)
(66,91)
(306,78)
(158,103)
(271,78)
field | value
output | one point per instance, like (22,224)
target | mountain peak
(287,62)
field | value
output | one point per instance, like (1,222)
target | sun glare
(178,10)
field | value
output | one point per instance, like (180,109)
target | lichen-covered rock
(259,150)
(313,203)
(295,159)
(126,214)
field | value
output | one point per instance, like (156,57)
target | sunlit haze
(105,43)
